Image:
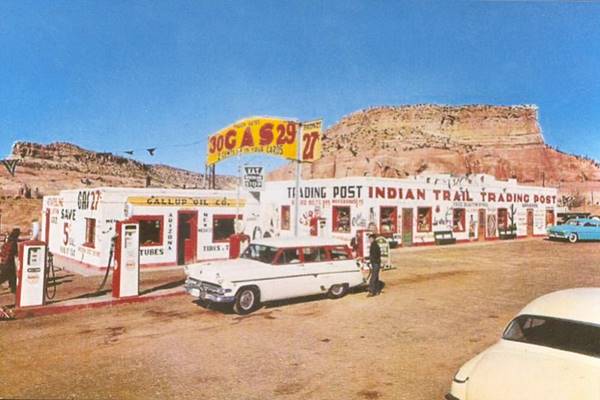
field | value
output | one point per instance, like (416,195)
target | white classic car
(276,269)
(551,350)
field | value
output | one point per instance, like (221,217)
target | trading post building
(473,207)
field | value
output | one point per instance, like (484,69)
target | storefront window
(387,220)
(458,220)
(341,219)
(90,232)
(151,231)
(502,218)
(285,218)
(424,219)
(223,227)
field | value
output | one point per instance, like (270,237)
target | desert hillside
(47,169)
(505,141)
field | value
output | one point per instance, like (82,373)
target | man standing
(8,252)
(375,260)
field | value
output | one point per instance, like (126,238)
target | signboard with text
(254,178)
(268,135)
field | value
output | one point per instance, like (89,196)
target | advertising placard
(253,178)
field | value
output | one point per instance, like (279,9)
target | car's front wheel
(246,300)
(338,291)
(573,238)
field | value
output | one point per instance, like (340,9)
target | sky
(120,75)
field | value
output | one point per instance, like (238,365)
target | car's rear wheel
(573,238)
(246,300)
(338,291)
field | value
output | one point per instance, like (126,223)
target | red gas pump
(31,274)
(237,244)
(126,274)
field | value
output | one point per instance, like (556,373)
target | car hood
(228,270)
(511,370)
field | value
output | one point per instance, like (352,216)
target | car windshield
(573,222)
(561,334)
(259,252)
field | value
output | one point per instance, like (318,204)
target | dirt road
(440,307)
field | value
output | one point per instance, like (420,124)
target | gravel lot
(441,306)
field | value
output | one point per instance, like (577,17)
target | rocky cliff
(505,141)
(47,169)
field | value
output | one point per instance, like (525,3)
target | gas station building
(176,226)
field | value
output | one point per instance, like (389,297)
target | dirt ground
(441,306)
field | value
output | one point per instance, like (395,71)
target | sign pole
(237,205)
(298,177)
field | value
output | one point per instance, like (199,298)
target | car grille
(205,286)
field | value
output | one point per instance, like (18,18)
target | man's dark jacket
(375,253)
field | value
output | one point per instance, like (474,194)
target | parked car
(275,269)
(550,350)
(576,229)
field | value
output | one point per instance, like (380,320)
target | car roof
(581,304)
(302,241)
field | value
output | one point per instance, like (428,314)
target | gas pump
(317,226)
(126,274)
(237,244)
(362,243)
(31,274)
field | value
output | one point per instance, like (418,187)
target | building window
(388,217)
(90,233)
(285,218)
(223,227)
(458,220)
(424,219)
(151,230)
(502,219)
(549,217)
(341,219)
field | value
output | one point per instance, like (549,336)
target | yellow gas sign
(274,136)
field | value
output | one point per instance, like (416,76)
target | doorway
(481,225)
(529,222)
(187,236)
(407,227)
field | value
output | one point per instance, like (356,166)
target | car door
(316,264)
(340,268)
(289,278)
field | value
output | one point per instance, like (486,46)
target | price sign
(267,135)
(311,140)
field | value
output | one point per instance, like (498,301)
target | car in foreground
(276,269)
(550,350)
(576,229)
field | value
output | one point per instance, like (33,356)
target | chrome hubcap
(247,299)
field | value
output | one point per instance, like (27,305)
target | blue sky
(120,75)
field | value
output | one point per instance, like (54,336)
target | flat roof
(581,304)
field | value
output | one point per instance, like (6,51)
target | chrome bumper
(207,291)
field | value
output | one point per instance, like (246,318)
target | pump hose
(50,271)
(108,265)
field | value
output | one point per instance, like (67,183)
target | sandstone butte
(504,141)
